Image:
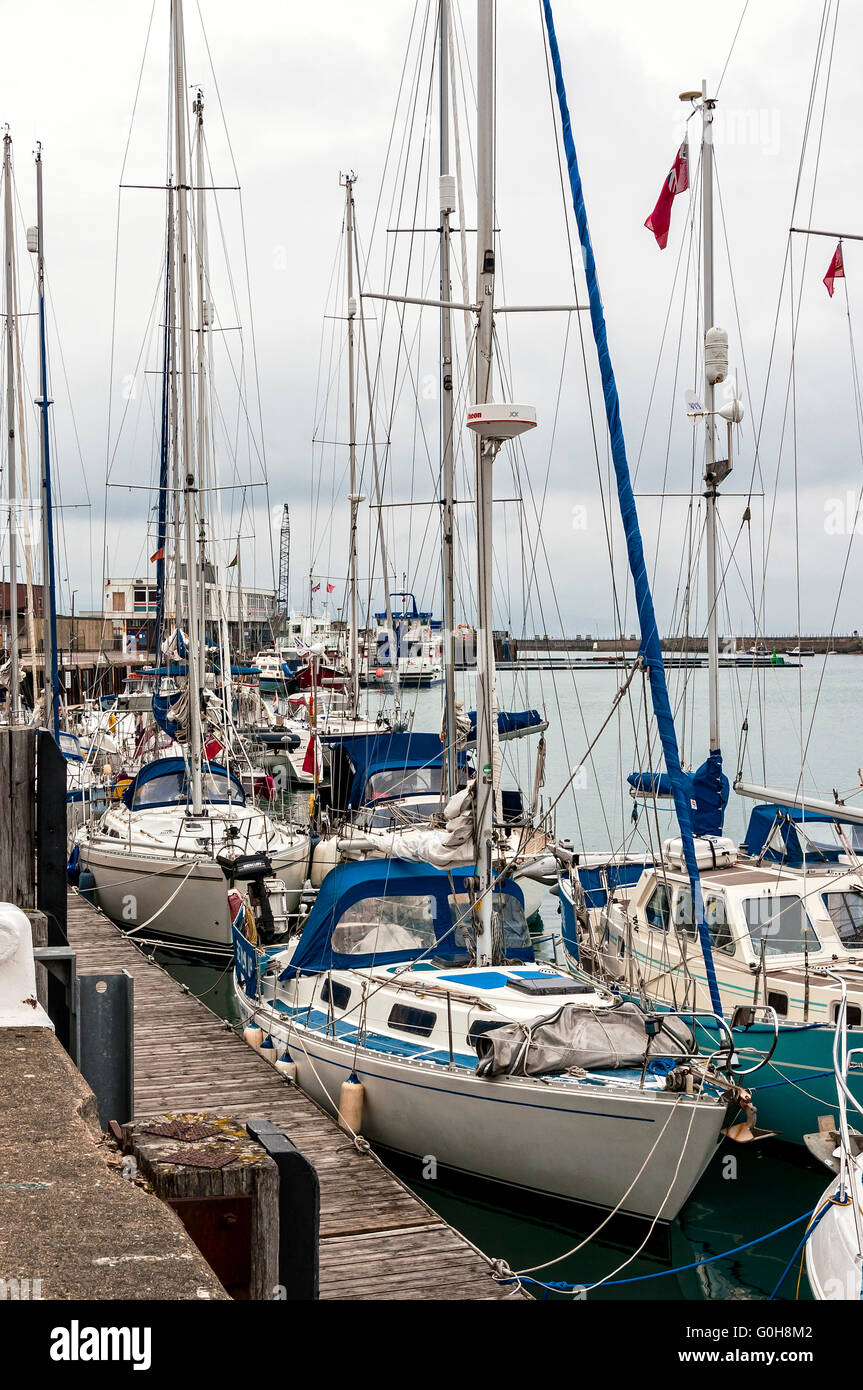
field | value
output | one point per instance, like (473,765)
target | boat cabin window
(781,922)
(516,933)
(403,781)
(419,1022)
(715,915)
(657,910)
(846,913)
(334,992)
(375,926)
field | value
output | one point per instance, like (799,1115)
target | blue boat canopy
(386,911)
(165,782)
(373,755)
(788,835)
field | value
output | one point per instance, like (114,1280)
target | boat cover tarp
(446,847)
(573,1036)
(707,788)
(171,713)
(348,884)
(382,752)
(651,646)
(772,835)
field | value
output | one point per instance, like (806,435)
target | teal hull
(797,1085)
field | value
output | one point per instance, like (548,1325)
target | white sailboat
(412,1003)
(161,859)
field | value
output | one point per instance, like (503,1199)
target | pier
(378,1240)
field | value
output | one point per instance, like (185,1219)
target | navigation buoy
(351,1099)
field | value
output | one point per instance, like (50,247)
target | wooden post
(18,817)
(225,1190)
(51,885)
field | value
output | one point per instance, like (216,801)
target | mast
(164,443)
(447,205)
(354,656)
(714,370)
(13,707)
(171,327)
(205,478)
(485,790)
(188,433)
(241,643)
(49,606)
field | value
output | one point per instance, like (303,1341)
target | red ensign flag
(659,220)
(836,270)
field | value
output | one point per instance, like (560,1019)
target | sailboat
(834,1233)
(163,857)
(775,912)
(412,1002)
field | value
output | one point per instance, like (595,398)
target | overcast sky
(310,90)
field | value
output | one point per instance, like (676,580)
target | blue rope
(651,646)
(806,1234)
(682,1269)
(786,1081)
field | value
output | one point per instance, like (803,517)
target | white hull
(131,888)
(524,1133)
(833,1263)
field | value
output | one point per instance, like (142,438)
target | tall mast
(485,789)
(174,473)
(14,703)
(188,431)
(354,658)
(49,605)
(205,473)
(710,475)
(165,439)
(447,205)
(241,641)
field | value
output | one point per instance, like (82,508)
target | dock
(378,1239)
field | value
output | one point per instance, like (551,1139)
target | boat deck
(378,1239)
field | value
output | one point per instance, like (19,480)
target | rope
(133,930)
(680,1269)
(831,1201)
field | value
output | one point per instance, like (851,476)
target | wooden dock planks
(378,1239)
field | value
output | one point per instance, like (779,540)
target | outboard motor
(267,894)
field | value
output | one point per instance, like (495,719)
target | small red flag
(331,588)
(160,554)
(677,181)
(310,760)
(836,270)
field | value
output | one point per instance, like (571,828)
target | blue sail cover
(162,706)
(510,723)
(707,789)
(651,647)
(348,884)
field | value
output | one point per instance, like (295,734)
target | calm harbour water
(767,1184)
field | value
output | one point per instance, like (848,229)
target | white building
(130,604)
